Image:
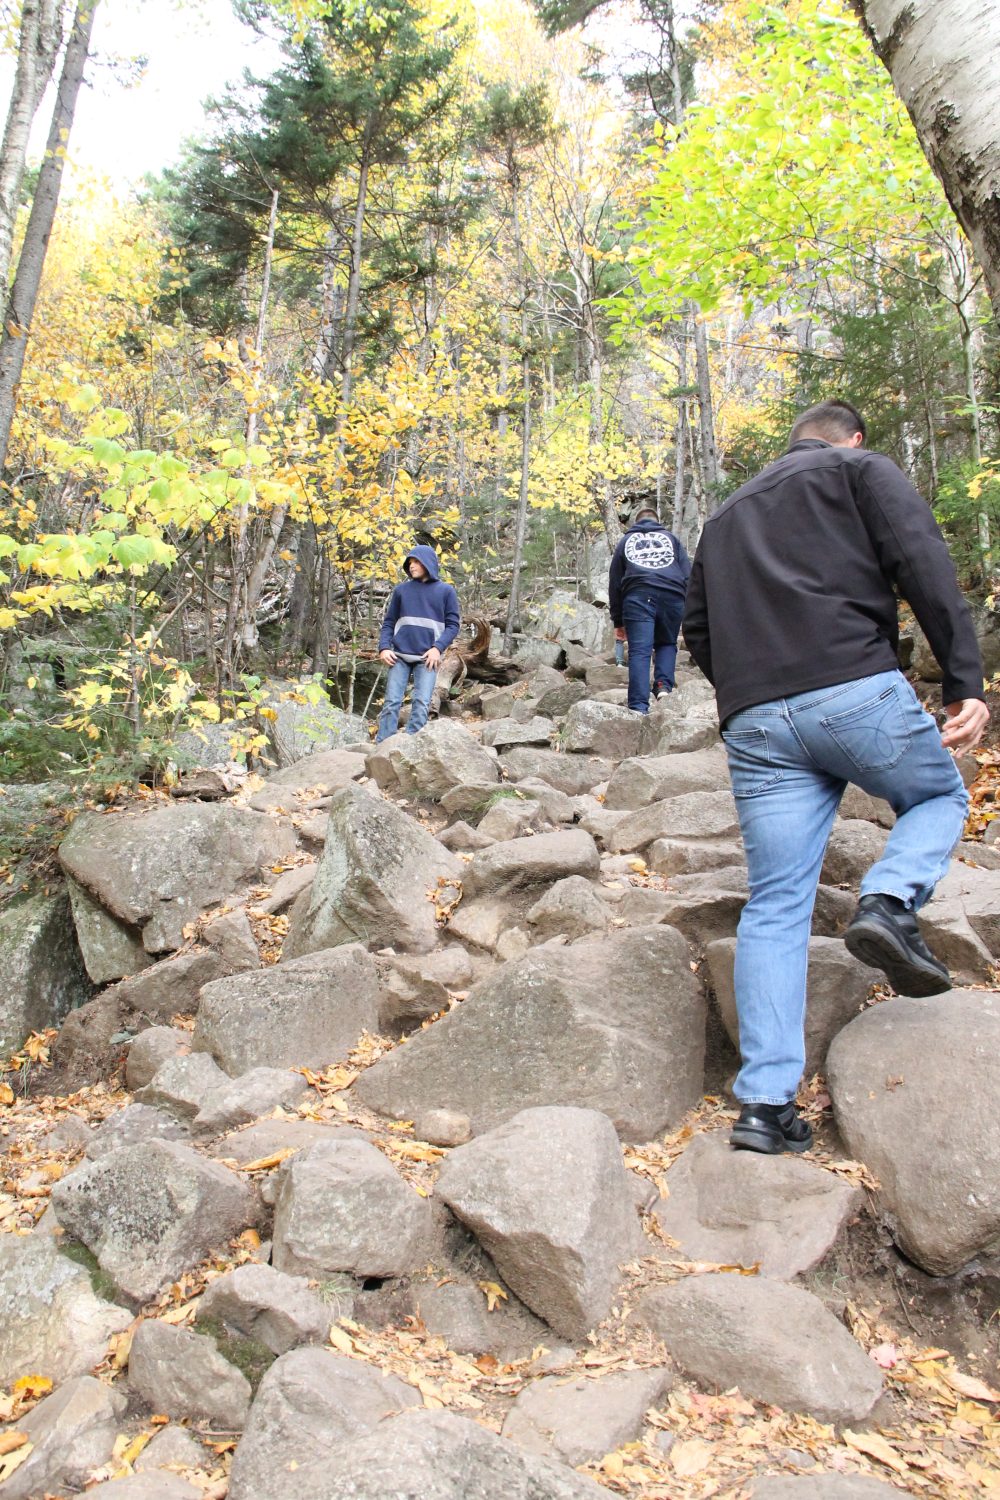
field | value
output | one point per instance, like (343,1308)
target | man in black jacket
(646,585)
(792,615)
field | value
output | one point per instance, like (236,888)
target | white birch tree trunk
(38,43)
(944,60)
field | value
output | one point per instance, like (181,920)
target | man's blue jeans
(395,691)
(652,618)
(790,761)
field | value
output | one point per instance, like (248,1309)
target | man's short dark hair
(833,420)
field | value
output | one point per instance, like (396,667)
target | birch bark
(944,60)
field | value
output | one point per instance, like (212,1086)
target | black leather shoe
(885,935)
(771,1128)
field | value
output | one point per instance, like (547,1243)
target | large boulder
(962,921)
(739,1208)
(302,1013)
(260,1303)
(855,845)
(43,971)
(501,734)
(156,869)
(576,1421)
(570,621)
(429,764)
(837,988)
(570,908)
(436,1456)
(304,781)
(151,1211)
(776,1342)
(335,1200)
(51,1321)
(912,1082)
(301,729)
(558,699)
(515,863)
(547,1196)
(172,986)
(601,729)
(183,1374)
(111,949)
(376,881)
(652,778)
(309,1403)
(71,1432)
(692,815)
(571,774)
(817,1486)
(617,1025)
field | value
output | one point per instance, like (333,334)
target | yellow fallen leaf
(6,1094)
(9,1441)
(690,1457)
(613,1465)
(130,1452)
(875,1447)
(33,1385)
(176,1315)
(494,1294)
(968,1385)
(120,1346)
(265,1163)
(341,1340)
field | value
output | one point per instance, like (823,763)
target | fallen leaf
(968,1385)
(886,1356)
(33,1385)
(6,1094)
(494,1294)
(9,1441)
(875,1447)
(613,1466)
(14,1460)
(690,1457)
(265,1163)
(341,1340)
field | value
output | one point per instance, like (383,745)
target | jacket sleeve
(389,621)
(914,557)
(683,561)
(615,585)
(452,620)
(695,623)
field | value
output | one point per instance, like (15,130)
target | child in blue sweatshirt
(420,624)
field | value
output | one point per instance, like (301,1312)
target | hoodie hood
(425,555)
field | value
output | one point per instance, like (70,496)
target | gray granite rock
(72,1431)
(43,969)
(262,1303)
(183,1374)
(576,1421)
(51,1321)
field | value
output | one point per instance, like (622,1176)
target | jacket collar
(809,443)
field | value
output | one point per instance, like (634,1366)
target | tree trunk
(711,470)
(944,60)
(38,43)
(24,292)
(522,499)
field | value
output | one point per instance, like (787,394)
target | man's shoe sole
(767,1142)
(876,945)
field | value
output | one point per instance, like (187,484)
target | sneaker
(660,690)
(771,1129)
(885,935)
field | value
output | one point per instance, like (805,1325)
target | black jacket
(793,581)
(648,556)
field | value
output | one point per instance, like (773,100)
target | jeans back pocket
(873,735)
(750,765)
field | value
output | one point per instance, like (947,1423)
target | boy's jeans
(790,761)
(652,619)
(395,691)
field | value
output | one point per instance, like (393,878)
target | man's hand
(432,658)
(619,632)
(389,657)
(967,720)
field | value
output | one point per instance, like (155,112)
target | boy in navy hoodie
(420,624)
(646,587)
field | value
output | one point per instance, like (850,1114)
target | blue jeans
(395,691)
(790,761)
(652,618)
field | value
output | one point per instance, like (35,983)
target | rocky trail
(364,1136)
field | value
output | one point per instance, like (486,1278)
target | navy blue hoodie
(648,556)
(422,612)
